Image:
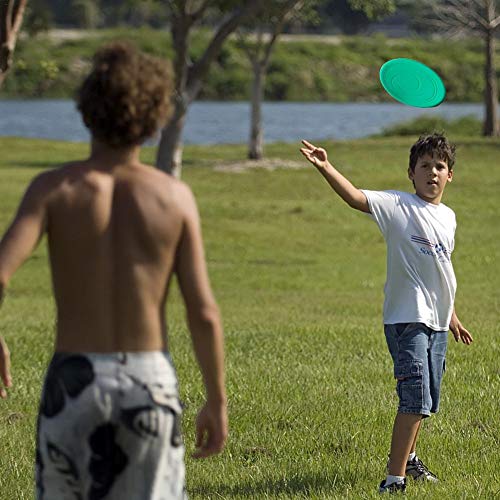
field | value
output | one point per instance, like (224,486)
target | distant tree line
(92,14)
(333,15)
(258,24)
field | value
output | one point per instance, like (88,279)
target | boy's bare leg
(404,434)
(414,445)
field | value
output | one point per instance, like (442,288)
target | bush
(337,70)
(465,126)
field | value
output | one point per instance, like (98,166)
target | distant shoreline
(216,122)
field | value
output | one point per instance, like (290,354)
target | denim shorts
(419,355)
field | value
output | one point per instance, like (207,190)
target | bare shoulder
(186,200)
(44,183)
(53,176)
(175,189)
(57,178)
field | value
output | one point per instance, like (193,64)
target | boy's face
(430,178)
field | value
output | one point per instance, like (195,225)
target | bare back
(112,237)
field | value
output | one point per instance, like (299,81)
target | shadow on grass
(298,485)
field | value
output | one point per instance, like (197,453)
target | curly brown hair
(433,144)
(126,97)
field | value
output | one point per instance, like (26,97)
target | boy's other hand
(317,156)
(459,332)
(211,430)
(4,368)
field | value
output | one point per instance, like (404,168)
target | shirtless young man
(117,231)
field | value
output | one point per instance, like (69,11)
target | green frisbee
(412,83)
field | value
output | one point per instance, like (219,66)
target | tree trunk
(189,76)
(256,144)
(11,18)
(5,57)
(491,126)
(169,151)
(2,77)
(6,51)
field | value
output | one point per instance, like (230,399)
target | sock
(393,479)
(412,456)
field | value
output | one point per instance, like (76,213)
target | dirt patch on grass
(264,164)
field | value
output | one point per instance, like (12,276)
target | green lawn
(298,276)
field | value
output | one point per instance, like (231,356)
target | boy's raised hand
(317,156)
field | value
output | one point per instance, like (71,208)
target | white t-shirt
(420,237)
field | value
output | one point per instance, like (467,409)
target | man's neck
(109,157)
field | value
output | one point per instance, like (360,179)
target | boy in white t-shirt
(419,292)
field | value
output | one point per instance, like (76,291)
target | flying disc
(412,83)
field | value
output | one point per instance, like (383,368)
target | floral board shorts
(419,355)
(109,428)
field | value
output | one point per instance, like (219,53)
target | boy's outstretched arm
(353,196)
(458,330)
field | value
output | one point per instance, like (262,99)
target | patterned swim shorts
(109,428)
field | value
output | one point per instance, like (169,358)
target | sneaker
(398,487)
(419,472)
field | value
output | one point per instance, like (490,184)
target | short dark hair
(433,144)
(126,97)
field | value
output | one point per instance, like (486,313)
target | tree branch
(18,14)
(453,18)
(6,13)
(180,27)
(198,14)
(461,18)
(463,10)
(10,10)
(247,47)
(200,68)
(286,15)
(4,24)
(11,20)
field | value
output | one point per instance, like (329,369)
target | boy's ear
(450,175)
(411,174)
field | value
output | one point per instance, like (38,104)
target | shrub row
(324,69)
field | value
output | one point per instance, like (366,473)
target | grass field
(298,276)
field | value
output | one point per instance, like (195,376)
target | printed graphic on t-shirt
(430,248)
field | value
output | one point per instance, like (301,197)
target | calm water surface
(228,122)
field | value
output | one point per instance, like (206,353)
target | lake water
(228,122)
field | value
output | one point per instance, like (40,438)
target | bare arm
(458,330)
(206,331)
(4,358)
(26,230)
(354,197)
(16,246)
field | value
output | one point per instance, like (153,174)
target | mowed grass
(298,276)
